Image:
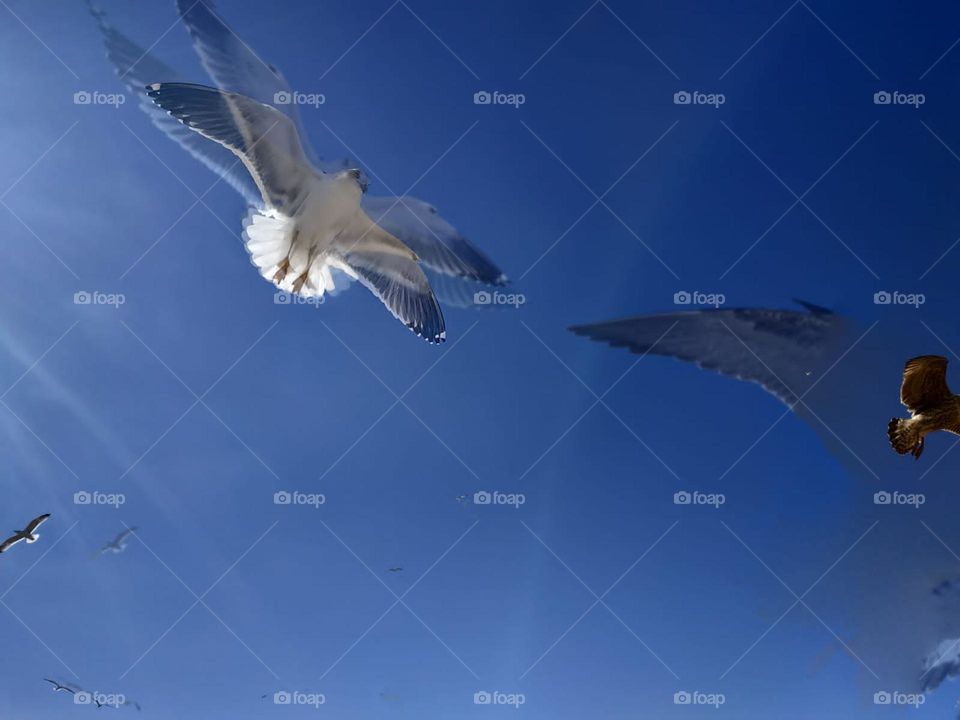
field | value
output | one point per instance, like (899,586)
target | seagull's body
(119,543)
(311,226)
(29,533)
(924,392)
(395,569)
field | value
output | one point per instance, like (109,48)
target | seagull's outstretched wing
(438,244)
(125,533)
(37,522)
(235,67)
(781,350)
(264,139)
(136,68)
(390,270)
(10,542)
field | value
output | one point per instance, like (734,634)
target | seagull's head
(357,176)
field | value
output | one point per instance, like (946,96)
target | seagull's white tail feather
(269,238)
(33,539)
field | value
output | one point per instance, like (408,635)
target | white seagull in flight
(311,223)
(29,534)
(119,543)
(455,267)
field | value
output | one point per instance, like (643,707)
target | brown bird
(932,406)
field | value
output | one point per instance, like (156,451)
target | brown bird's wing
(924,383)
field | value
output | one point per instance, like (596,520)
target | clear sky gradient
(199,398)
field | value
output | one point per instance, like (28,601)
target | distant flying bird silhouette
(29,533)
(932,406)
(57,687)
(118,544)
(395,569)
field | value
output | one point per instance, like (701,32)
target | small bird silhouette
(395,569)
(29,534)
(932,406)
(57,687)
(119,543)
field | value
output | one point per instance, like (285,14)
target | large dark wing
(924,383)
(37,522)
(136,68)
(782,350)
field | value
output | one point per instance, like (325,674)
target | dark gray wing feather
(781,350)
(137,68)
(264,139)
(235,67)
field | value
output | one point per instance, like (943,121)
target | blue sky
(199,398)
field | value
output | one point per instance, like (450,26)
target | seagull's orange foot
(299,282)
(282,271)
